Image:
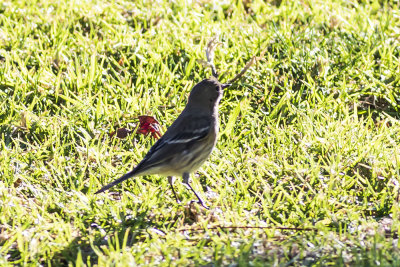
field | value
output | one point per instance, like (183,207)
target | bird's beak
(225,85)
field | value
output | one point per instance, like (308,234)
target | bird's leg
(186,181)
(171,180)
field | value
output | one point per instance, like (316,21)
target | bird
(187,143)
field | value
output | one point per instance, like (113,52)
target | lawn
(306,171)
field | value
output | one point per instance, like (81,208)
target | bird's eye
(217,88)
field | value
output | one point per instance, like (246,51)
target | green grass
(309,138)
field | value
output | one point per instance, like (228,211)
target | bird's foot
(201,203)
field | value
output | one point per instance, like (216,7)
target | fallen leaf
(121,62)
(194,211)
(147,124)
(17,182)
(121,133)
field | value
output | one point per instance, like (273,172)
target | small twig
(246,227)
(212,44)
(253,60)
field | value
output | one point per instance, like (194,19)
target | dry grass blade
(212,44)
(253,60)
(247,227)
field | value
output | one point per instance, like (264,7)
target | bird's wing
(180,136)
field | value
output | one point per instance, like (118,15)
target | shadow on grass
(127,233)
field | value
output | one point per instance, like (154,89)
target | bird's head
(207,93)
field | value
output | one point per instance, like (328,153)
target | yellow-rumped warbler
(188,141)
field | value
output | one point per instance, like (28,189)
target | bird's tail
(123,178)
